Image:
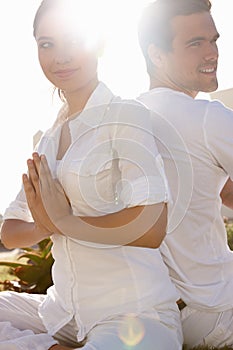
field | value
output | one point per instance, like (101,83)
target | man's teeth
(207,70)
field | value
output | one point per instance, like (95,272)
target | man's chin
(211,88)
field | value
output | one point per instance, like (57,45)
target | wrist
(40,232)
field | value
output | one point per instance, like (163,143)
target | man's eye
(195,44)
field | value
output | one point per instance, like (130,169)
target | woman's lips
(65,73)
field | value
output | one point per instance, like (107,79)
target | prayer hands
(45,195)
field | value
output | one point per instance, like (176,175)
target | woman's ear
(155,55)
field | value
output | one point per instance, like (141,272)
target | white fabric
(195,140)
(145,331)
(112,156)
(20,325)
(209,328)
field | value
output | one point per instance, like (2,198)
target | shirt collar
(158,90)
(96,106)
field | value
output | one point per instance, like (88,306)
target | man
(195,137)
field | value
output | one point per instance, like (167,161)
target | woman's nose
(63,57)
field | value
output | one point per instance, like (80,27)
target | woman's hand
(53,197)
(33,193)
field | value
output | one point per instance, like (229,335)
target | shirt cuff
(144,191)
(17,211)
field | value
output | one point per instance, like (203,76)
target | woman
(96,187)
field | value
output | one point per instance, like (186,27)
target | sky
(27,101)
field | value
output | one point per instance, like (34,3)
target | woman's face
(64,56)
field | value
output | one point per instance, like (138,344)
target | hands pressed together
(46,198)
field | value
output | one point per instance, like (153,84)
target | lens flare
(131,331)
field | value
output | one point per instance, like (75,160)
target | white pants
(22,329)
(208,328)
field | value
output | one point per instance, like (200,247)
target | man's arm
(227,194)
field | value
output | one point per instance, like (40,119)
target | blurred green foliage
(32,269)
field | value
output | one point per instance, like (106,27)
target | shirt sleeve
(143,179)
(219,135)
(18,209)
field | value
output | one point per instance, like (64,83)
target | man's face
(191,65)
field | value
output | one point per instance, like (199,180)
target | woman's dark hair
(155,23)
(43,8)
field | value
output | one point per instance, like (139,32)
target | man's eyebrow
(201,38)
(196,38)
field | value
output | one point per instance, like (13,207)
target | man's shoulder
(218,117)
(173,105)
(172,99)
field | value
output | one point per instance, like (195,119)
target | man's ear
(155,55)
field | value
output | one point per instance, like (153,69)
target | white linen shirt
(111,164)
(195,139)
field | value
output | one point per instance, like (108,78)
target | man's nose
(211,52)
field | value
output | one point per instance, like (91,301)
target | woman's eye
(45,45)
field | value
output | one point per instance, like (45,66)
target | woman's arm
(143,226)
(140,225)
(17,233)
(133,226)
(20,234)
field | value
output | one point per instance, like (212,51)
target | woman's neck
(77,100)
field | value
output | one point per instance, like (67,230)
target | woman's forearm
(19,234)
(143,226)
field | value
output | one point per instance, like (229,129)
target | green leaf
(12,264)
(35,257)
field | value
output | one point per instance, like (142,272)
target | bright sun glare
(27,96)
(105,19)
(115,21)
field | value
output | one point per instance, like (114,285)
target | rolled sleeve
(18,209)
(144,192)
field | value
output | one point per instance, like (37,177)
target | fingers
(33,175)
(37,161)
(44,165)
(29,190)
(27,184)
(31,180)
(46,179)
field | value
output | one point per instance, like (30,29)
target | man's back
(194,138)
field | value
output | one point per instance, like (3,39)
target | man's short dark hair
(155,23)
